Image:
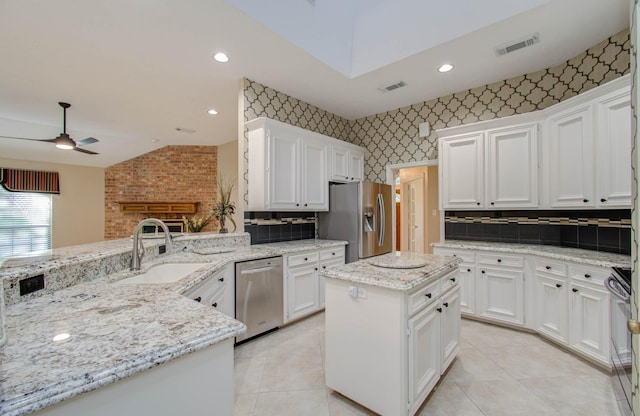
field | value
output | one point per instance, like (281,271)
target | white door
(315,184)
(424,354)
(450,327)
(284,171)
(614,150)
(414,221)
(467,289)
(339,164)
(324,264)
(501,296)
(461,171)
(552,308)
(570,155)
(302,291)
(356,165)
(589,321)
(512,164)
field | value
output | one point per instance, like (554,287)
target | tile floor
(498,372)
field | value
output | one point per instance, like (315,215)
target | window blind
(25,222)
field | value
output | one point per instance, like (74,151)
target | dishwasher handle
(257,270)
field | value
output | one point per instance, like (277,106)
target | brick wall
(170,174)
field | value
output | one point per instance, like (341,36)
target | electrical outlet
(31,284)
(162,249)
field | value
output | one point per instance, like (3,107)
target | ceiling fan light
(65,142)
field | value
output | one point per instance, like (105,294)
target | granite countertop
(398,271)
(116,330)
(576,255)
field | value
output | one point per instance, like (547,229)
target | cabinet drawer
(468,257)
(449,281)
(423,297)
(208,288)
(331,263)
(500,260)
(584,274)
(304,258)
(332,253)
(555,268)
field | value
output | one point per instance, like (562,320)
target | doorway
(417,218)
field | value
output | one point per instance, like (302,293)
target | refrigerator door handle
(380,206)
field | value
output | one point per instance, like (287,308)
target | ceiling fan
(64,141)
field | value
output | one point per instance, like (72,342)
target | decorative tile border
(600,222)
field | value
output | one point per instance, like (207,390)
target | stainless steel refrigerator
(360,213)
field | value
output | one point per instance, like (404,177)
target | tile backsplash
(273,227)
(601,230)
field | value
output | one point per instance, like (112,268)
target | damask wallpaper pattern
(392,137)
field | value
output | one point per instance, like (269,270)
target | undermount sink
(164,273)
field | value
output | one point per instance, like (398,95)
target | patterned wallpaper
(392,137)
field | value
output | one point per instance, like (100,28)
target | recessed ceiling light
(221,57)
(212,112)
(445,68)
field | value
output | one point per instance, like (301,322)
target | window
(25,222)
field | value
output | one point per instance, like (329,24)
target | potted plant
(224,208)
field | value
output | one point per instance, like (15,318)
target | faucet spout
(138,249)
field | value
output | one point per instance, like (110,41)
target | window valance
(19,180)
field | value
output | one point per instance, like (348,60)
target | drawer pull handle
(439,310)
(499,260)
(324,267)
(585,200)
(603,199)
(482,272)
(469,270)
(587,276)
(198,299)
(305,259)
(221,279)
(558,285)
(547,267)
(333,254)
(574,290)
(453,279)
(446,304)
(428,295)
(316,269)
(215,304)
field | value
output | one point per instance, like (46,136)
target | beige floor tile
(472,365)
(449,400)
(342,406)
(248,373)
(506,398)
(244,404)
(289,370)
(292,403)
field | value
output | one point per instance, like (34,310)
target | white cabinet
(466,277)
(552,311)
(449,327)
(217,291)
(346,162)
(287,168)
(424,358)
(589,321)
(461,171)
(304,287)
(494,168)
(500,295)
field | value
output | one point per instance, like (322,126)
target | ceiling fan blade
(34,140)
(88,140)
(89,152)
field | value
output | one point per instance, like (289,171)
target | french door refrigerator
(360,213)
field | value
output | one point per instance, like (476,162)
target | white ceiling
(135,71)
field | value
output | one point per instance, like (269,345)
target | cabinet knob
(558,285)
(316,269)
(493,203)
(439,310)
(446,304)
(221,279)
(478,203)
(297,205)
(333,254)
(469,270)
(198,299)
(585,200)
(603,199)
(305,259)
(574,290)
(547,267)
(482,272)
(305,205)
(428,295)
(453,279)
(214,304)
(324,267)
(587,276)
(499,260)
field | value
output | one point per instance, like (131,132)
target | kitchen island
(392,329)
(131,348)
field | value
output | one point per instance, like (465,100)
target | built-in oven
(619,284)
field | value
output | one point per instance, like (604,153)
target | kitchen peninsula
(131,348)
(392,328)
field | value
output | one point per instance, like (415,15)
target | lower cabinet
(500,295)
(217,291)
(553,313)
(304,287)
(589,322)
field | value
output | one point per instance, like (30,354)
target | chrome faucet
(138,248)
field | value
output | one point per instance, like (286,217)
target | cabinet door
(284,171)
(323,266)
(589,321)
(302,291)
(462,171)
(552,308)
(614,150)
(512,167)
(500,295)
(467,289)
(339,164)
(450,327)
(424,354)
(315,184)
(356,166)
(570,157)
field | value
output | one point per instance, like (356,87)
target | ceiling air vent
(393,86)
(512,46)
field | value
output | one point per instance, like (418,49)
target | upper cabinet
(493,168)
(288,167)
(575,154)
(346,162)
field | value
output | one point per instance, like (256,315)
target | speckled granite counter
(395,273)
(588,257)
(116,330)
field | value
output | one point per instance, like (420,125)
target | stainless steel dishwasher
(259,298)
